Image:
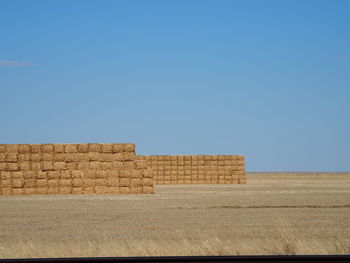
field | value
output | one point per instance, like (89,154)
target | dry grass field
(272,214)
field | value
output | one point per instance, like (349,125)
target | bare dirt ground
(283,213)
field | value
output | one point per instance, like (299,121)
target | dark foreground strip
(191,259)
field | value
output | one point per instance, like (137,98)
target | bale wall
(72,169)
(196,169)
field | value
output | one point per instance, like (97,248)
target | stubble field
(284,213)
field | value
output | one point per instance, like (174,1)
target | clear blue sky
(266,79)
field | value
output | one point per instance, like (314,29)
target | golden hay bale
(17,191)
(82,157)
(59,157)
(117,157)
(17,175)
(136,190)
(11,148)
(11,157)
(58,148)
(77,190)
(117,165)
(24,148)
(36,166)
(35,157)
(17,183)
(2,148)
(30,174)
(53,174)
(101,182)
(124,190)
(47,148)
(125,182)
(106,157)
(71,166)
(6,191)
(53,182)
(129,165)
(95,165)
(6,183)
(65,182)
(101,189)
(107,147)
(129,147)
(125,173)
(100,174)
(89,190)
(128,156)
(2,157)
(147,181)
(65,190)
(136,173)
(47,156)
(94,147)
(106,165)
(5,175)
(94,156)
(47,166)
(83,148)
(35,148)
(89,174)
(12,166)
(53,190)
(147,190)
(41,183)
(29,191)
(113,181)
(136,182)
(29,183)
(77,174)
(71,148)
(118,148)
(113,190)
(65,174)
(41,191)
(88,182)
(78,182)
(59,165)
(83,165)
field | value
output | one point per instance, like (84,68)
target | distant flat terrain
(274,213)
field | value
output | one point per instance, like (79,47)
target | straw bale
(53,174)
(117,156)
(30,174)
(128,156)
(83,165)
(78,182)
(129,147)
(100,174)
(136,182)
(11,157)
(117,165)
(125,173)
(101,182)
(23,148)
(101,189)
(124,190)
(83,148)
(89,174)
(79,174)
(72,157)
(17,191)
(66,182)
(17,183)
(113,181)
(36,166)
(53,182)
(88,182)
(107,157)
(71,148)
(118,148)
(129,165)
(94,147)
(65,190)
(89,190)
(2,157)
(95,165)
(41,190)
(47,148)
(125,182)
(160,182)
(53,190)
(147,181)
(147,173)
(106,165)
(29,183)
(77,190)
(71,166)
(47,166)
(41,183)
(58,148)
(35,148)
(113,190)
(107,147)
(82,157)
(6,191)
(136,173)
(5,175)
(2,148)
(12,148)
(23,166)
(147,189)
(12,166)
(35,157)
(29,191)
(6,183)
(94,156)
(136,190)
(59,165)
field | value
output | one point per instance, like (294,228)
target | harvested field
(272,214)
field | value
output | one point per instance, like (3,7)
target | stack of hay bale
(72,169)
(196,169)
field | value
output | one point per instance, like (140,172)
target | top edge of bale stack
(68,148)
(190,157)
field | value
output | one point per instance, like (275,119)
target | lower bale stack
(196,169)
(72,169)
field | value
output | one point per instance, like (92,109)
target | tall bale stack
(196,169)
(90,168)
